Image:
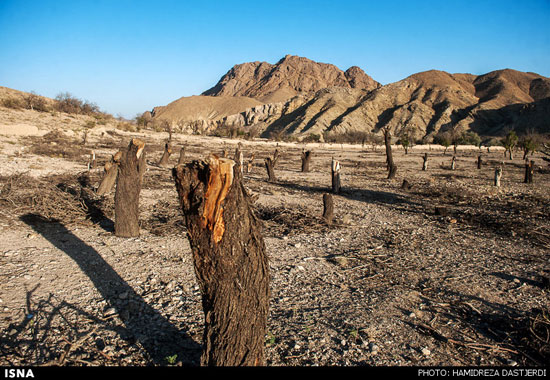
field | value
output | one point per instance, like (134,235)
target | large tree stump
(165,159)
(111,171)
(335,174)
(306,158)
(269,165)
(328,208)
(230,261)
(128,186)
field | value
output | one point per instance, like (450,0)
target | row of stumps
(229,253)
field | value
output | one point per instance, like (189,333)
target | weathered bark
(529,171)
(128,186)
(111,171)
(270,171)
(230,261)
(498,176)
(479,161)
(335,171)
(181,159)
(392,168)
(306,158)
(328,208)
(425,163)
(165,159)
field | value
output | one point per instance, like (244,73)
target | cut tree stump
(269,165)
(479,161)
(181,159)
(230,261)
(335,171)
(132,166)
(498,176)
(425,163)
(392,168)
(109,179)
(453,163)
(165,159)
(328,208)
(529,171)
(306,159)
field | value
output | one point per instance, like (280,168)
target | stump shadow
(143,324)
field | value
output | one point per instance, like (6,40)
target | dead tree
(328,208)
(335,171)
(306,158)
(529,171)
(498,176)
(392,168)
(181,158)
(425,163)
(111,171)
(230,261)
(270,170)
(128,186)
(165,159)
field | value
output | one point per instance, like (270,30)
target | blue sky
(130,56)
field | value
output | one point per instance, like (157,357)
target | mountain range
(300,97)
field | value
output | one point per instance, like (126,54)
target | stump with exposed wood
(131,168)
(306,159)
(328,208)
(453,163)
(111,171)
(230,261)
(335,174)
(165,159)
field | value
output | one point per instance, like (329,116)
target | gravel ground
(451,272)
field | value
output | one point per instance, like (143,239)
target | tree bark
(128,186)
(425,163)
(181,158)
(498,175)
(529,171)
(270,171)
(230,261)
(453,163)
(111,171)
(328,208)
(306,158)
(479,161)
(335,171)
(392,168)
(165,159)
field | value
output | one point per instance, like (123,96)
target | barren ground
(391,283)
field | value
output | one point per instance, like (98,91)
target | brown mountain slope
(290,76)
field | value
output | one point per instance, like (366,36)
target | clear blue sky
(130,56)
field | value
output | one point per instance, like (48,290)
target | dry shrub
(56,144)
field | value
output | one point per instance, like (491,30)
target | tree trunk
(306,158)
(529,171)
(249,164)
(128,186)
(425,163)
(230,261)
(239,158)
(270,172)
(165,159)
(181,158)
(335,170)
(498,175)
(91,162)
(328,208)
(479,161)
(453,163)
(392,168)
(111,171)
